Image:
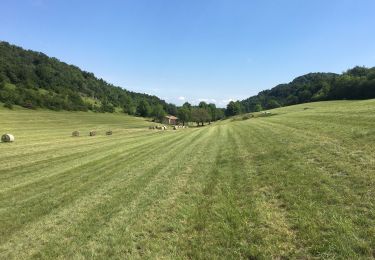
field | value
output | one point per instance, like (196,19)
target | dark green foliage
(8,105)
(200,115)
(171,109)
(220,113)
(187,105)
(143,108)
(158,113)
(203,104)
(356,83)
(129,107)
(32,80)
(211,108)
(107,107)
(233,108)
(184,114)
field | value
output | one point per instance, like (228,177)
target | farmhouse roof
(171,117)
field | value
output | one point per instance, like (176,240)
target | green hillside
(296,183)
(33,80)
(354,84)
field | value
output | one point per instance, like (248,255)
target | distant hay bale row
(91,133)
(179,126)
(158,127)
(163,127)
(7,138)
(266,113)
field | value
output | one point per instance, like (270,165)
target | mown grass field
(298,184)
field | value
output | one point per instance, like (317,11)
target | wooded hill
(356,83)
(32,79)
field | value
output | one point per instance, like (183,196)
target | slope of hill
(297,184)
(32,79)
(356,83)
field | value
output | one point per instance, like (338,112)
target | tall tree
(200,115)
(187,105)
(143,108)
(184,114)
(233,108)
(158,112)
(211,108)
(172,109)
(203,105)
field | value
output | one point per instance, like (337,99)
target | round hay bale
(6,138)
(92,133)
(109,132)
(75,134)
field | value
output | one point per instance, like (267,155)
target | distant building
(170,120)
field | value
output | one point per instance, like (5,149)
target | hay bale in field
(92,133)
(109,132)
(7,138)
(75,134)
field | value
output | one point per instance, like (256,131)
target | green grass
(297,184)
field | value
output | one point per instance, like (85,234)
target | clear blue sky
(191,50)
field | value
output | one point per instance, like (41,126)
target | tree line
(203,113)
(34,80)
(355,83)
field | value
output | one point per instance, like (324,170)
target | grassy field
(297,184)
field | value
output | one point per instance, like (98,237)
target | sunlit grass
(297,184)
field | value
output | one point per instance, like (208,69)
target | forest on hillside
(34,80)
(356,83)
